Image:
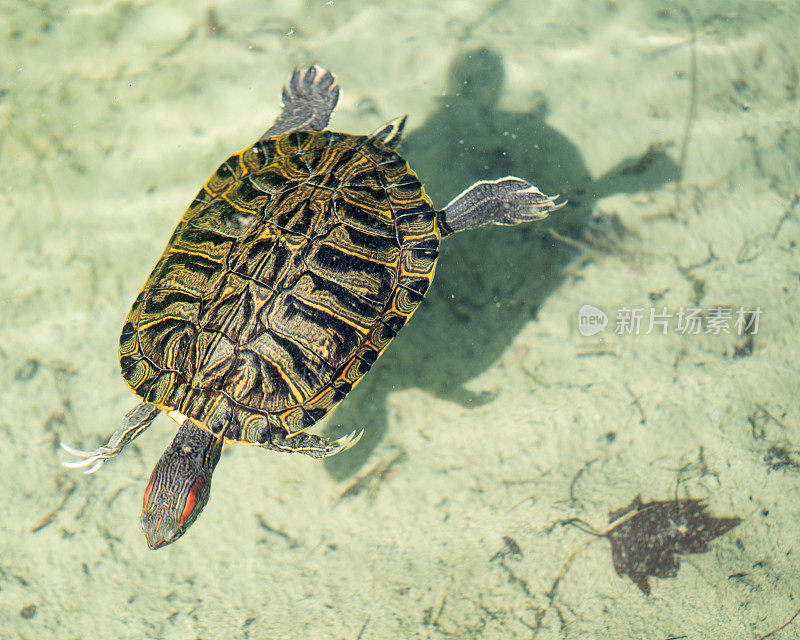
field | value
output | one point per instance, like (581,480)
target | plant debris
(28,611)
(510,549)
(646,536)
(371,479)
(778,458)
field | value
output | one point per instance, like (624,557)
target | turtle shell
(289,274)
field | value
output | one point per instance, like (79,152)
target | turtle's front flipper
(505,201)
(134,422)
(308,102)
(312,445)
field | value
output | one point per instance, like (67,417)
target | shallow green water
(492,420)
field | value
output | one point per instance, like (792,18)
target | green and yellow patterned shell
(289,274)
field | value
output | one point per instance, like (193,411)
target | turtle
(288,275)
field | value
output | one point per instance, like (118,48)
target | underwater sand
(500,417)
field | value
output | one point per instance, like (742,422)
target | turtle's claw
(344,443)
(92,459)
(134,422)
(78,453)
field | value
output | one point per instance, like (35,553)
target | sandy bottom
(674,137)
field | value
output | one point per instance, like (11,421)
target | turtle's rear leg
(505,201)
(308,102)
(134,422)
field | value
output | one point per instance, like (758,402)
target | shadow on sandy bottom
(489,282)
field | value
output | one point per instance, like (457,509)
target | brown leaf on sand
(647,536)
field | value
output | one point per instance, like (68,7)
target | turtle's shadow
(489,282)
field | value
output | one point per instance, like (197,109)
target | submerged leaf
(648,535)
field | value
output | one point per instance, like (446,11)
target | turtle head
(180,485)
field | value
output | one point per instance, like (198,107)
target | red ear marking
(147,495)
(191,499)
